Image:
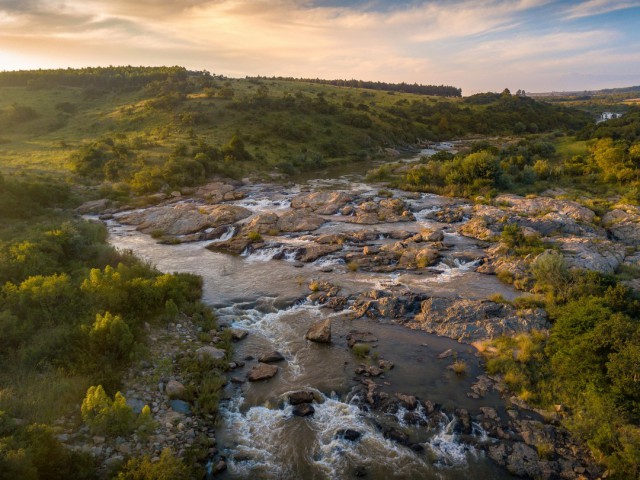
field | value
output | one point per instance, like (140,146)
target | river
(257,431)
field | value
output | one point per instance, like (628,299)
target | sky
(484,45)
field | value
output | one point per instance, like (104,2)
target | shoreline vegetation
(76,315)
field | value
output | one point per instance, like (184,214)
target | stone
(348,434)
(94,206)
(175,389)
(303,410)
(271,357)
(313,252)
(299,397)
(211,353)
(408,401)
(299,221)
(262,371)
(320,332)
(180,406)
(354,337)
(238,334)
(323,203)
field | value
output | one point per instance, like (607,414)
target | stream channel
(257,431)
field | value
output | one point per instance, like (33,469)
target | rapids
(257,432)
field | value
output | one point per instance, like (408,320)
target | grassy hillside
(107,124)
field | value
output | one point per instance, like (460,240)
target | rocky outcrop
(299,221)
(94,206)
(262,371)
(320,332)
(311,253)
(471,320)
(216,192)
(234,246)
(540,206)
(595,254)
(623,223)
(183,219)
(386,304)
(263,223)
(322,203)
(389,210)
(300,397)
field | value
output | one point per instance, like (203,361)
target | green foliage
(106,416)
(361,350)
(111,339)
(169,467)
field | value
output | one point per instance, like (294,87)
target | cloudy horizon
(486,45)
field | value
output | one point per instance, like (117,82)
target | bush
(361,350)
(106,416)
(169,467)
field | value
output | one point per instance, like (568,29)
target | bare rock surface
(262,371)
(471,320)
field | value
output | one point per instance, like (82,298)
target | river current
(257,431)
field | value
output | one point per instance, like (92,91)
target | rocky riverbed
(318,287)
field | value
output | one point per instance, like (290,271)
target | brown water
(257,431)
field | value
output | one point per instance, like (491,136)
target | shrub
(459,367)
(106,416)
(169,467)
(353,266)
(254,236)
(361,350)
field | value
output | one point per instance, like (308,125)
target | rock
(320,332)
(299,221)
(183,219)
(263,223)
(235,245)
(348,434)
(299,397)
(271,357)
(238,334)
(596,254)
(623,222)
(303,410)
(180,406)
(354,337)
(446,354)
(175,389)
(523,461)
(313,252)
(211,353)
(221,466)
(98,440)
(385,364)
(532,207)
(408,401)
(323,203)
(94,206)
(471,320)
(262,371)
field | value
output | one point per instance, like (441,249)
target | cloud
(475,44)
(598,7)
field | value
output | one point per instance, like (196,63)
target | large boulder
(262,371)
(299,221)
(311,253)
(623,223)
(320,332)
(263,223)
(216,192)
(183,219)
(301,396)
(175,390)
(322,203)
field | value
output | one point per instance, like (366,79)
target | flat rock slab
(262,371)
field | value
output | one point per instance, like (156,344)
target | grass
(361,350)
(569,146)
(459,367)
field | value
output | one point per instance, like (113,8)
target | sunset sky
(536,45)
